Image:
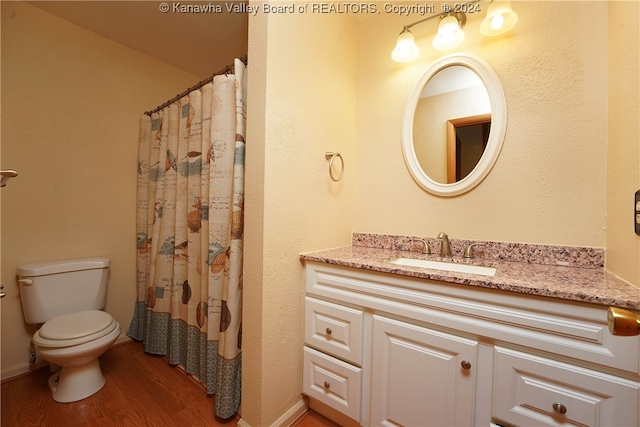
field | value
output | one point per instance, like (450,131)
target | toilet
(66,298)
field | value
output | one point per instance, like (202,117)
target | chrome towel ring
(331,157)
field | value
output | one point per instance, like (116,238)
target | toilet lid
(75,325)
(75,329)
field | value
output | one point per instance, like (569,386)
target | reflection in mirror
(467,139)
(452,98)
(454,125)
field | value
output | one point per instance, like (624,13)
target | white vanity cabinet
(392,350)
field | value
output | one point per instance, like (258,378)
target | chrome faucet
(445,249)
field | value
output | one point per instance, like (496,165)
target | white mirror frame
(496,135)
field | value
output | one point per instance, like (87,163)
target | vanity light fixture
(500,18)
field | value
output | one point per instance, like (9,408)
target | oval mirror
(454,125)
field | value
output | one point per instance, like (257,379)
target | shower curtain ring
(331,157)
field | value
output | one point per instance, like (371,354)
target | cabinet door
(531,390)
(421,377)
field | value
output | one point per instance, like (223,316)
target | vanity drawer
(532,390)
(334,329)
(332,382)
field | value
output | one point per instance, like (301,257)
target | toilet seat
(74,329)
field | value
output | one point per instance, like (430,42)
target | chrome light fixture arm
(460,16)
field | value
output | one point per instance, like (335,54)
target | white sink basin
(445,266)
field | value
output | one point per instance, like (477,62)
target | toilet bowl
(74,342)
(67,297)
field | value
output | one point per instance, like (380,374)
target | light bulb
(497,22)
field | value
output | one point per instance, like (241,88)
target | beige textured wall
(548,185)
(253,292)
(623,154)
(302,104)
(71,102)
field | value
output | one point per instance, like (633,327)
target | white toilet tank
(53,288)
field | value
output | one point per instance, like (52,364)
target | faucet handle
(426,249)
(468,253)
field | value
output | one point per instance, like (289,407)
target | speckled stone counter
(575,275)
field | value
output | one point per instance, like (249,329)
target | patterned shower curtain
(190,212)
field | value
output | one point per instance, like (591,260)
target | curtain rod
(226,70)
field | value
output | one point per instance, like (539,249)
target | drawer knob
(465,365)
(327,385)
(559,408)
(329,331)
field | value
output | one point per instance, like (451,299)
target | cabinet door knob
(623,322)
(329,331)
(327,385)
(559,408)
(465,365)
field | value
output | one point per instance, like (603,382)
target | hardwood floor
(141,390)
(313,419)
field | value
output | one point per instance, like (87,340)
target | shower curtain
(190,211)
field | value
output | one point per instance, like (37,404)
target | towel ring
(331,157)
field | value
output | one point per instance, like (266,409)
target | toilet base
(73,383)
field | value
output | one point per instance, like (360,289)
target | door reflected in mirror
(467,139)
(453,98)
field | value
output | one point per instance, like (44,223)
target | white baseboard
(286,419)
(123,338)
(14,371)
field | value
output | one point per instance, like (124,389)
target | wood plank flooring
(313,419)
(142,390)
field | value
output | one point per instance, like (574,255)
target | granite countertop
(590,285)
